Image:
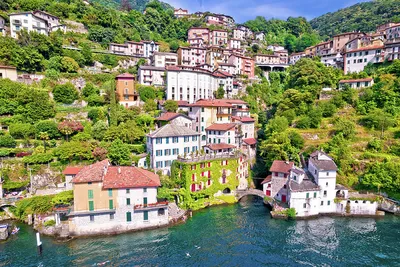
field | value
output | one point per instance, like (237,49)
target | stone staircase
(175,213)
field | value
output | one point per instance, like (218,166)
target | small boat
(15,231)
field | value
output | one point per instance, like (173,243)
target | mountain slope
(134,4)
(359,17)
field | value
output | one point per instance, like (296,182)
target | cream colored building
(8,72)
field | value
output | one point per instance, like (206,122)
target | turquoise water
(236,235)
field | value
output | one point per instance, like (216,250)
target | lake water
(235,235)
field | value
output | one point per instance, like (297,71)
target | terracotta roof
(70,170)
(8,67)
(168,116)
(129,177)
(304,186)
(126,76)
(243,119)
(219,146)
(91,173)
(250,141)
(211,103)
(182,103)
(366,48)
(220,127)
(356,80)
(171,130)
(147,67)
(281,166)
(267,180)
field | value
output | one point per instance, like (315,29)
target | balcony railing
(151,206)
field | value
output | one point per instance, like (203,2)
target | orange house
(127,93)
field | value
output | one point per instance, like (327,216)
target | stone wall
(357,207)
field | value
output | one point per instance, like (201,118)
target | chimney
(119,170)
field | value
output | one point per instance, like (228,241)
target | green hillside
(359,17)
(139,5)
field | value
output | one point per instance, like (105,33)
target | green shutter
(128,216)
(315,194)
(145,215)
(110,192)
(91,205)
(90,194)
(145,201)
(111,204)
(308,195)
(128,201)
(329,202)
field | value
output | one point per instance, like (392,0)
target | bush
(137,149)
(89,90)
(96,114)
(7,141)
(49,127)
(65,93)
(95,101)
(22,130)
(49,223)
(63,198)
(303,123)
(38,159)
(291,213)
(375,145)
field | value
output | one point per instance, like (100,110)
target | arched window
(161,212)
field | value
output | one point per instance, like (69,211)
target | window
(111,217)
(91,205)
(128,201)
(175,151)
(304,205)
(158,140)
(91,218)
(161,212)
(128,216)
(128,190)
(325,193)
(145,215)
(365,60)
(167,140)
(202,128)
(110,192)
(175,139)
(145,201)
(329,202)
(202,119)
(159,152)
(167,163)
(315,194)
(167,152)
(111,204)
(308,195)
(322,203)
(326,183)
(186,139)
(145,190)
(202,109)
(90,194)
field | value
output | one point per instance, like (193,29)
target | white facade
(356,83)
(149,75)
(164,150)
(296,57)
(239,34)
(234,44)
(356,60)
(27,21)
(161,59)
(220,136)
(260,36)
(53,22)
(149,47)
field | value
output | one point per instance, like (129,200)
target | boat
(15,231)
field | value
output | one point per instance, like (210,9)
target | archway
(226,191)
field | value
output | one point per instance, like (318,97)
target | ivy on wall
(181,173)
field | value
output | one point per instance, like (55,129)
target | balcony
(151,206)
(17,22)
(93,212)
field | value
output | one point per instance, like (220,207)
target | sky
(243,10)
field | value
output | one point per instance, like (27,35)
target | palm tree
(44,136)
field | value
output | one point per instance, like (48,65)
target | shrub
(90,89)
(22,130)
(303,123)
(38,158)
(63,198)
(95,101)
(49,127)
(291,213)
(7,141)
(49,223)
(65,93)
(375,145)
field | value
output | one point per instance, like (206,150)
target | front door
(283,198)
(145,201)
(269,193)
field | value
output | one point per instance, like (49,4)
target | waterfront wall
(357,207)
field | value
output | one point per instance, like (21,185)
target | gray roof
(322,165)
(173,130)
(146,67)
(305,185)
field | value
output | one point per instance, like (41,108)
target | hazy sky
(243,10)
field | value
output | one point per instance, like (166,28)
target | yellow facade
(100,197)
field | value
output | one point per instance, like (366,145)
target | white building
(150,75)
(149,47)
(178,119)
(259,36)
(181,13)
(234,44)
(275,48)
(323,169)
(192,83)
(356,60)
(168,142)
(164,59)
(218,133)
(294,57)
(29,22)
(191,56)
(239,34)
(356,83)
(53,22)
(227,67)
(139,49)
(70,173)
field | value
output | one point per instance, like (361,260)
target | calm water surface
(236,235)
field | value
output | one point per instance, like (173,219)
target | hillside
(359,17)
(138,5)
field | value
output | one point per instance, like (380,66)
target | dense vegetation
(359,17)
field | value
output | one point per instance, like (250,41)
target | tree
(87,54)
(99,153)
(22,130)
(146,93)
(170,106)
(90,89)
(380,120)
(65,93)
(69,65)
(345,127)
(219,94)
(68,127)
(125,5)
(48,126)
(7,141)
(150,106)
(44,136)
(276,125)
(119,153)
(99,129)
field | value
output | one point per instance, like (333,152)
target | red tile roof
(7,67)
(356,80)
(235,101)
(129,177)
(220,127)
(250,141)
(91,173)
(267,180)
(219,146)
(70,170)
(211,103)
(126,76)
(243,119)
(281,166)
(167,116)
